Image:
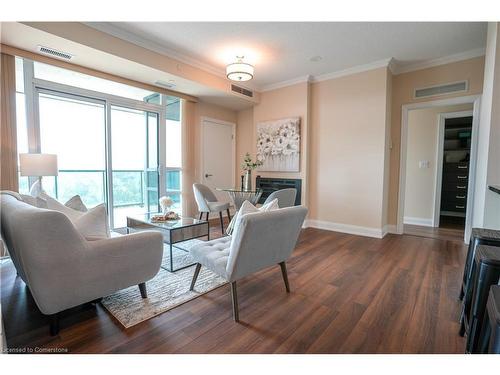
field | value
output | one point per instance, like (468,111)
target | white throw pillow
(76,203)
(53,204)
(92,224)
(247,208)
(34,201)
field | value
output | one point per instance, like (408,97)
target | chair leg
(144,292)
(54,324)
(234,297)
(201,215)
(221,222)
(285,276)
(207,216)
(195,276)
(228,214)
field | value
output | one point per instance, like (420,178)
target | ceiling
(282,51)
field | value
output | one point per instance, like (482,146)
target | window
(106,136)
(174,152)
(73,128)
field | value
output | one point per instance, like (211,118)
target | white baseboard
(345,228)
(417,221)
(390,228)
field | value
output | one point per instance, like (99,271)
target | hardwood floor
(451,234)
(349,294)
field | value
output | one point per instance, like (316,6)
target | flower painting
(278,145)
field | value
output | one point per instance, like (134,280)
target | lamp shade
(38,164)
(239,71)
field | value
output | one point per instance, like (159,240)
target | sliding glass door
(135,164)
(74,128)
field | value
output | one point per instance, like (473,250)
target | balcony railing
(129,186)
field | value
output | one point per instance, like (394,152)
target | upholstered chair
(62,269)
(286,197)
(260,240)
(207,202)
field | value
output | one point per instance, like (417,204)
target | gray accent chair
(286,197)
(62,269)
(207,202)
(263,239)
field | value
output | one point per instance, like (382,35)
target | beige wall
(244,140)
(291,101)
(423,132)
(348,140)
(403,86)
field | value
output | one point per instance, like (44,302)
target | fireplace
(269,185)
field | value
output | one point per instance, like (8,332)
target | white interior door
(218,156)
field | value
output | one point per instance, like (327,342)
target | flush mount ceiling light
(239,71)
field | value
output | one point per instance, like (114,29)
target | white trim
(204,119)
(439,161)
(120,33)
(422,221)
(390,228)
(353,70)
(286,83)
(345,228)
(472,99)
(440,61)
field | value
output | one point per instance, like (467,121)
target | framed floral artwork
(278,145)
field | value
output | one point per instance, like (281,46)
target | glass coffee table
(174,231)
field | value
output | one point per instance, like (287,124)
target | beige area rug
(165,291)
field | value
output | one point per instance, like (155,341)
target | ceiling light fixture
(239,71)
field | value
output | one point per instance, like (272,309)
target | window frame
(34,86)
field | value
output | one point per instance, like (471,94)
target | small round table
(239,196)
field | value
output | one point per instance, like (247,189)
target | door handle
(208,175)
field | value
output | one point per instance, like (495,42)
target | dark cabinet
(454,187)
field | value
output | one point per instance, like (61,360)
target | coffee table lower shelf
(174,233)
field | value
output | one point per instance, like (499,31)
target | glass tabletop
(234,190)
(170,224)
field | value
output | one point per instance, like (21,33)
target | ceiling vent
(55,53)
(242,91)
(448,88)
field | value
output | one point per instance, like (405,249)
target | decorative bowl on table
(169,216)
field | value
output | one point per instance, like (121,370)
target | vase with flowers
(248,166)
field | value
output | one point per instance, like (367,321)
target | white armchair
(207,202)
(262,240)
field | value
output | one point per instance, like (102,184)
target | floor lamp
(37,165)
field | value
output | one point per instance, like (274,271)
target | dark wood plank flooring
(350,294)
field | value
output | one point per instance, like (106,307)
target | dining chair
(260,240)
(286,197)
(207,202)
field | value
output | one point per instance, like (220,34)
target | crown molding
(399,68)
(286,83)
(120,33)
(355,69)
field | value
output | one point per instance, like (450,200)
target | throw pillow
(34,201)
(76,203)
(246,208)
(53,204)
(93,224)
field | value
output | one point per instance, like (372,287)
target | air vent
(448,88)
(242,91)
(55,53)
